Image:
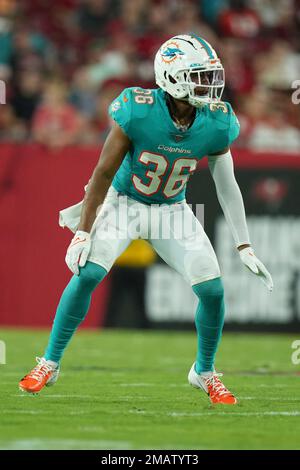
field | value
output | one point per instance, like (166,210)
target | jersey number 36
(176,180)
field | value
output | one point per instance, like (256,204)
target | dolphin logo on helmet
(170,52)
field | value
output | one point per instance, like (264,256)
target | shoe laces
(218,388)
(41,370)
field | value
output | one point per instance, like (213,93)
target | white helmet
(188,68)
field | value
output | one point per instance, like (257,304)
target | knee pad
(211,309)
(212,288)
(90,275)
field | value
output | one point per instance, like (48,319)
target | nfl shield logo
(177,137)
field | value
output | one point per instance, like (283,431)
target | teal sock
(72,308)
(209,322)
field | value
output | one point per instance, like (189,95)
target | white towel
(70,217)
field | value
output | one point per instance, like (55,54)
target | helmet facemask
(202,85)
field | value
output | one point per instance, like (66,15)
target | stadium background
(62,67)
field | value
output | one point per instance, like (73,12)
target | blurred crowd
(63,62)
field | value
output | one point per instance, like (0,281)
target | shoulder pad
(227,126)
(120,110)
(221,111)
(142,102)
(133,103)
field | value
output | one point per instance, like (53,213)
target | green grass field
(129,390)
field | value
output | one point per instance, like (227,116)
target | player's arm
(231,201)
(229,196)
(114,150)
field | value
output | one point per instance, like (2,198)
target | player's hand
(256,266)
(78,251)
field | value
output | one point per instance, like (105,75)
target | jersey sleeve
(120,110)
(226,127)
(234,126)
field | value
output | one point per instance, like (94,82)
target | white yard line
(55,396)
(140,384)
(218,413)
(239,413)
(36,444)
(27,412)
(43,412)
(273,385)
(278,399)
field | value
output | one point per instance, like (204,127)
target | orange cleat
(212,385)
(44,374)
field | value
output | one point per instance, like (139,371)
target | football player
(155,143)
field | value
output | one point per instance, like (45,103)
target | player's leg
(72,309)
(107,245)
(191,254)
(209,321)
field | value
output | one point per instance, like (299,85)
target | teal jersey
(162,158)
